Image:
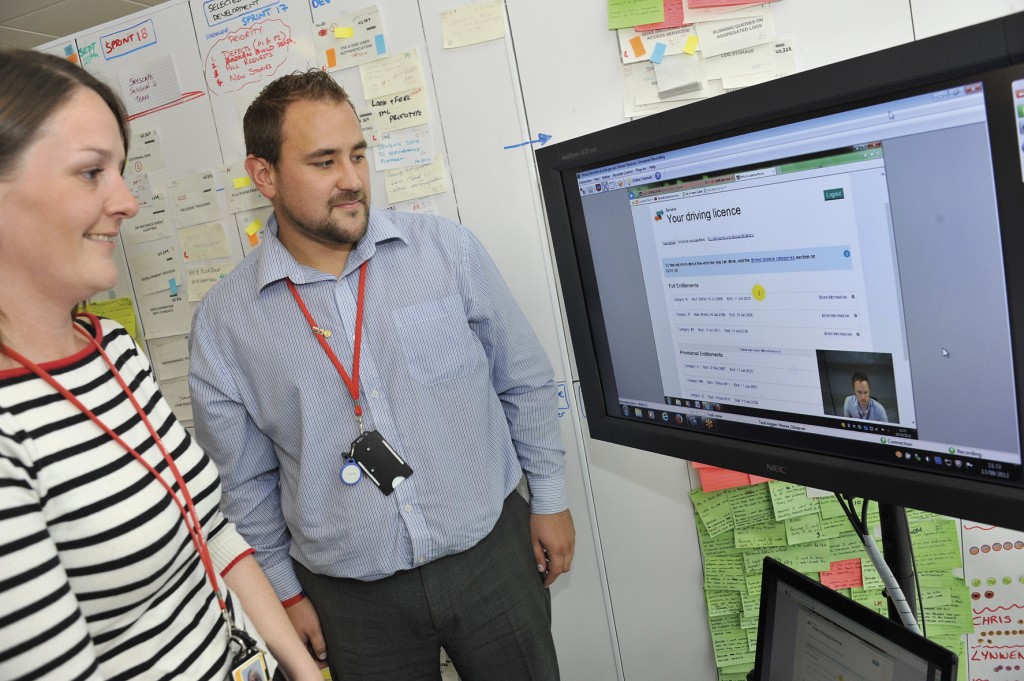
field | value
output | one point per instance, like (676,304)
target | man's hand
(554,540)
(307,624)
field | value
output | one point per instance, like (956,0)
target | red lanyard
(190,517)
(352,383)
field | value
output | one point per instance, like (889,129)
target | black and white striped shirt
(98,576)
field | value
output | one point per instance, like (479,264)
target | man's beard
(330,230)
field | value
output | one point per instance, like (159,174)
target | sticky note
(253,227)
(254,239)
(659,52)
(240,182)
(332,58)
(691,45)
(343,32)
(638,46)
(379,42)
(174,286)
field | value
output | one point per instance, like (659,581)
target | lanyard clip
(326,333)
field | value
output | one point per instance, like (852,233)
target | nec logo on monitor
(775,468)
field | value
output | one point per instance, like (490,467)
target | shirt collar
(276,263)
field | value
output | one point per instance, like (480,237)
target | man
(860,405)
(372,396)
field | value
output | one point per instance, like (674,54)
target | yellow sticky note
(242,182)
(120,310)
(343,32)
(253,227)
(691,45)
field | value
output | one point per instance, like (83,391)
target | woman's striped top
(98,576)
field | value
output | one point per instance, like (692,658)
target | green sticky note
(833,528)
(936,544)
(766,534)
(714,510)
(871,598)
(809,557)
(751,505)
(627,13)
(721,544)
(731,646)
(848,546)
(751,604)
(804,529)
(723,602)
(724,572)
(790,501)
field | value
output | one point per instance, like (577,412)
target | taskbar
(886,443)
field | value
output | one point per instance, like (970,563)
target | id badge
(380,461)
(253,668)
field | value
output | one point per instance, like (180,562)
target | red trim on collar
(57,364)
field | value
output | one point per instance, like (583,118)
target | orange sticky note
(332,58)
(638,46)
(691,45)
(343,32)
(254,239)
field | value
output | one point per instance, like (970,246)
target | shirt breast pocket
(436,340)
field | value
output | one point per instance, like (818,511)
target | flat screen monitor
(808,632)
(817,279)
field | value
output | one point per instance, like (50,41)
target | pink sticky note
(712,479)
(843,574)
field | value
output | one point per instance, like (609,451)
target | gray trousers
(486,606)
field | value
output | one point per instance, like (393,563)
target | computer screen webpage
(807,640)
(802,278)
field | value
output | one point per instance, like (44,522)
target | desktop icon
(664,416)
(679,419)
(625,410)
(638,412)
(650,414)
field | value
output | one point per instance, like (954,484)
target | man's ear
(262,174)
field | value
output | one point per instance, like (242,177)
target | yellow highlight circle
(758,292)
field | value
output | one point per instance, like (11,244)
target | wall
(633,606)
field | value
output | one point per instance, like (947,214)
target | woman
(113,552)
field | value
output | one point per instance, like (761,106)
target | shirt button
(374,394)
(408,508)
(421,561)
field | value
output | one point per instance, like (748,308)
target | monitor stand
(899,555)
